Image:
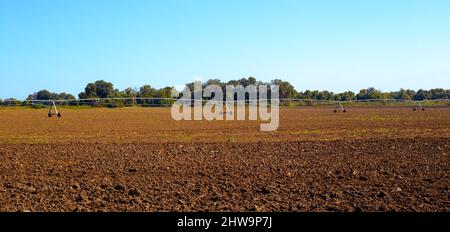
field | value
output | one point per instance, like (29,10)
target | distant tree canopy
(285,88)
(99,89)
(345,96)
(104,89)
(370,93)
(47,95)
(147,91)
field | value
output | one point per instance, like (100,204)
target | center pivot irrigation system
(50,113)
(292,102)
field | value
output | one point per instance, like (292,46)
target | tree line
(104,89)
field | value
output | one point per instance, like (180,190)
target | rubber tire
(59,115)
(49,115)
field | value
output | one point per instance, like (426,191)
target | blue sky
(335,45)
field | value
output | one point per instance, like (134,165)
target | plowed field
(139,159)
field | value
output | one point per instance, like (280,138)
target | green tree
(345,96)
(252,81)
(403,94)
(285,88)
(45,95)
(214,82)
(233,82)
(99,89)
(244,82)
(11,102)
(422,95)
(438,93)
(64,96)
(324,95)
(165,92)
(370,93)
(308,94)
(90,90)
(104,89)
(146,91)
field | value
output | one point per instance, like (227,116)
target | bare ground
(380,160)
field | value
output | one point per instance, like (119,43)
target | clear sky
(337,45)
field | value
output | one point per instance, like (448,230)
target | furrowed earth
(139,159)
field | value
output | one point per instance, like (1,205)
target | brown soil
(380,159)
(155,125)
